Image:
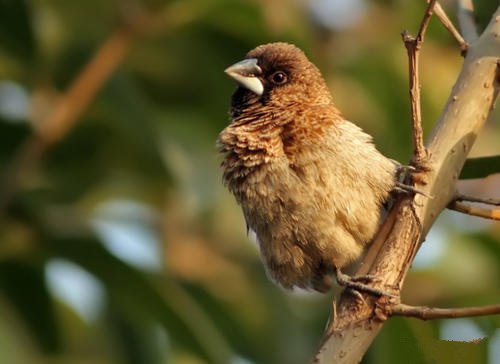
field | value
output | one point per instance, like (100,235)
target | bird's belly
(302,234)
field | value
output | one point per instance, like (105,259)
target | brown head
(277,76)
(282,101)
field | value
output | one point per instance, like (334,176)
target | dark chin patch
(241,99)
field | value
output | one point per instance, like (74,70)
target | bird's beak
(246,74)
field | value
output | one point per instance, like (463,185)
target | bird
(312,186)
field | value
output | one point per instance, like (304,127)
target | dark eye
(279,77)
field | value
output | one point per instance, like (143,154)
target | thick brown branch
(432,313)
(464,208)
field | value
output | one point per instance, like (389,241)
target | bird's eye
(279,77)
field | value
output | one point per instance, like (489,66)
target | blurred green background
(118,243)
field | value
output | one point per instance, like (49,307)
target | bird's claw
(355,285)
(404,188)
(405,174)
(402,168)
(366,279)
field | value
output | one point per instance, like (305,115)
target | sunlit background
(118,242)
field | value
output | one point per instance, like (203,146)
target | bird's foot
(404,188)
(358,284)
(403,171)
(404,176)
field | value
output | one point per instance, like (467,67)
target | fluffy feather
(311,184)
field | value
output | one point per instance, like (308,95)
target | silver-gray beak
(246,74)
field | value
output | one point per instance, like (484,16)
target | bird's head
(277,75)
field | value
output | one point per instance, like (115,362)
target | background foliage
(118,243)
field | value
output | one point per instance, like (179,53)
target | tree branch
(464,208)
(471,100)
(465,14)
(447,23)
(432,313)
(413,46)
(488,201)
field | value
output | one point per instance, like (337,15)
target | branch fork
(356,322)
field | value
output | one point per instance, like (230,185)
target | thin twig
(488,201)
(413,45)
(465,14)
(492,214)
(432,313)
(416,116)
(425,21)
(447,23)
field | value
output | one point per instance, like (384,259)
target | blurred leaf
(483,11)
(138,343)
(246,341)
(12,136)
(480,167)
(238,20)
(124,108)
(24,285)
(451,352)
(72,61)
(131,291)
(119,121)
(442,351)
(16,33)
(396,344)
(405,340)
(371,75)
(488,242)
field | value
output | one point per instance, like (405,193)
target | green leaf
(483,10)
(24,285)
(12,136)
(396,343)
(16,33)
(489,242)
(480,167)
(442,351)
(450,352)
(136,339)
(134,294)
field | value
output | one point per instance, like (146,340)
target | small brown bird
(311,184)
